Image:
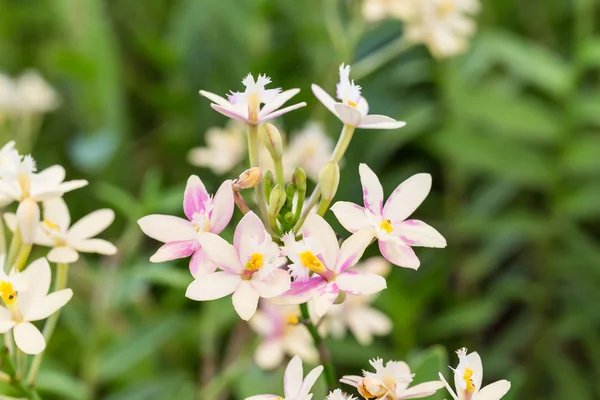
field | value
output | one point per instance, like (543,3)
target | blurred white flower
(225,148)
(27,94)
(282,333)
(309,149)
(444,26)
(27,302)
(468,376)
(337,394)
(356,314)
(66,242)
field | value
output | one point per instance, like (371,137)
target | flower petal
(200,264)
(324,298)
(278,283)
(351,216)
(36,283)
(417,233)
(407,197)
(300,291)
(230,112)
(264,397)
(194,197)
(245,300)
(324,98)
(424,389)
(56,211)
(41,238)
(353,248)
(281,111)
(99,246)
(280,100)
(220,252)
(215,98)
(54,174)
(29,338)
(166,228)
(63,254)
(448,388)
(28,219)
(173,251)
(360,283)
(213,286)
(223,207)
(474,361)
(372,190)
(399,254)
(50,304)
(309,381)
(348,114)
(6,322)
(319,231)
(380,122)
(493,391)
(249,233)
(269,354)
(292,379)
(364,322)
(92,224)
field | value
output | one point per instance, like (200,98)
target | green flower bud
(329,179)
(276,200)
(268,182)
(299,179)
(273,142)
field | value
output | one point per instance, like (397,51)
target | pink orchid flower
(318,252)
(388,222)
(353,109)
(251,268)
(204,214)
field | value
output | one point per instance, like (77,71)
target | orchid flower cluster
(24,287)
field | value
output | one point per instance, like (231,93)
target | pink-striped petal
(201,265)
(324,298)
(195,197)
(372,190)
(282,111)
(351,216)
(417,233)
(353,248)
(399,254)
(231,113)
(223,206)
(173,251)
(360,283)
(407,197)
(301,292)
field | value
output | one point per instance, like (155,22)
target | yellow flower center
(255,263)
(352,104)
(25,184)
(468,378)
(292,319)
(9,296)
(386,225)
(310,261)
(445,7)
(51,225)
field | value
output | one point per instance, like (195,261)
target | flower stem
(22,256)
(15,245)
(336,156)
(379,58)
(254,162)
(279,171)
(25,390)
(324,355)
(62,275)
(2,237)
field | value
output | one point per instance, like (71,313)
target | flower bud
(329,179)
(290,193)
(268,182)
(248,179)
(273,142)
(276,200)
(28,219)
(371,387)
(299,179)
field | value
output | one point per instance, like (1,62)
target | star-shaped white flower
(353,109)
(337,394)
(29,301)
(225,148)
(246,106)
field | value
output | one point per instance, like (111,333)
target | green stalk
(254,162)
(379,58)
(62,275)
(22,256)
(2,237)
(324,356)
(279,171)
(15,245)
(25,390)
(336,156)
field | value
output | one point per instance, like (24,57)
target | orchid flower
(294,386)
(353,109)
(356,313)
(245,106)
(225,149)
(66,242)
(281,333)
(468,376)
(250,268)
(389,222)
(390,382)
(318,252)
(204,214)
(309,149)
(29,93)
(337,394)
(26,299)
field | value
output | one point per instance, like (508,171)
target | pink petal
(278,283)
(220,252)
(201,265)
(194,197)
(318,230)
(424,389)
(231,113)
(280,100)
(399,254)
(380,122)
(215,98)
(417,233)
(351,216)
(360,283)
(213,286)
(372,190)
(353,248)
(324,98)
(249,227)
(173,251)
(348,114)
(407,197)
(223,208)
(280,112)
(324,298)
(300,292)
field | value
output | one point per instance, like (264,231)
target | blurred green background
(509,131)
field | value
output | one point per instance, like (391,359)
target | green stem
(254,162)
(22,256)
(2,236)
(15,245)
(324,356)
(279,171)
(323,206)
(62,275)
(25,390)
(379,58)
(337,155)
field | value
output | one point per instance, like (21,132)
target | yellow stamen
(255,263)
(292,319)
(386,225)
(310,261)
(9,296)
(25,184)
(467,377)
(51,225)
(352,104)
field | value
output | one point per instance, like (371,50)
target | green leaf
(61,384)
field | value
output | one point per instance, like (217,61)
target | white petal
(493,391)
(353,248)
(6,322)
(417,233)
(365,322)
(215,98)
(28,219)
(445,382)
(280,100)
(194,197)
(56,211)
(166,228)
(220,252)
(424,389)
(309,381)
(319,231)
(41,238)
(474,362)
(281,111)
(245,300)
(54,174)
(223,207)
(278,283)
(380,122)
(36,282)
(63,254)
(360,283)
(269,354)
(292,379)
(351,216)
(264,397)
(324,298)
(28,338)
(48,305)
(349,115)
(213,286)
(249,232)
(372,189)
(399,254)
(407,197)
(99,246)
(324,98)
(231,113)
(92,224)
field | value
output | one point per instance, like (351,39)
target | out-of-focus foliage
(509,131)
